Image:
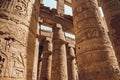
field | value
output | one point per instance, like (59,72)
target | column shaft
(15,30)
(36,58)
(46,61)
(59,63)
(40,61)
(71,64)
(39,68)
(95,54)
(111,9)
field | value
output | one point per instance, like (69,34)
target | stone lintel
(49,17)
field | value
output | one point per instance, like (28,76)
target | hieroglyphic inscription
(89,34)
(3,62)
(5,4)
(18,65)
(12,60)
(21,7)
(15,6)
(4,47)
(80,9)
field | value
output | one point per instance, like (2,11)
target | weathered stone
(95,54)
(59,61)
(60,7)
(15,34)
(47,60)
(40,62)
(19,33)
(41,1)
(111,9)
(49,17)
(71,63)
(36,58)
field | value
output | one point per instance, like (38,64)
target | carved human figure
(13,62)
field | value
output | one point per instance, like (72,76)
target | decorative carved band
(18,7)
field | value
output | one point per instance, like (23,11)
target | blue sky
(50,3)
(68,10)
(53,4)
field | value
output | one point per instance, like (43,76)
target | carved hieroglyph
(15,6)
(15,17)
(13,40)
(12,51)
(111,9)
(95,55)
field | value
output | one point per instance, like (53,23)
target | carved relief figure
(17,6)
(3,58)
(18,65)
(21,7)
(12,60)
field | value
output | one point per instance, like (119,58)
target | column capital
(59,35)
(47,59)
(71,54)
(47,45)
(48,40)
(70,45)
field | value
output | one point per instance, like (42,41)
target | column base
(10,78)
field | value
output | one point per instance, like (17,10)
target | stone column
(71,67)
(47,60)
(16,31)
(36,58)
(111,9)
(95,55)
(59,63)
(40,61)
(60,7)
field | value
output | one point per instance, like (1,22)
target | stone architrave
(95,55)
(59,61)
